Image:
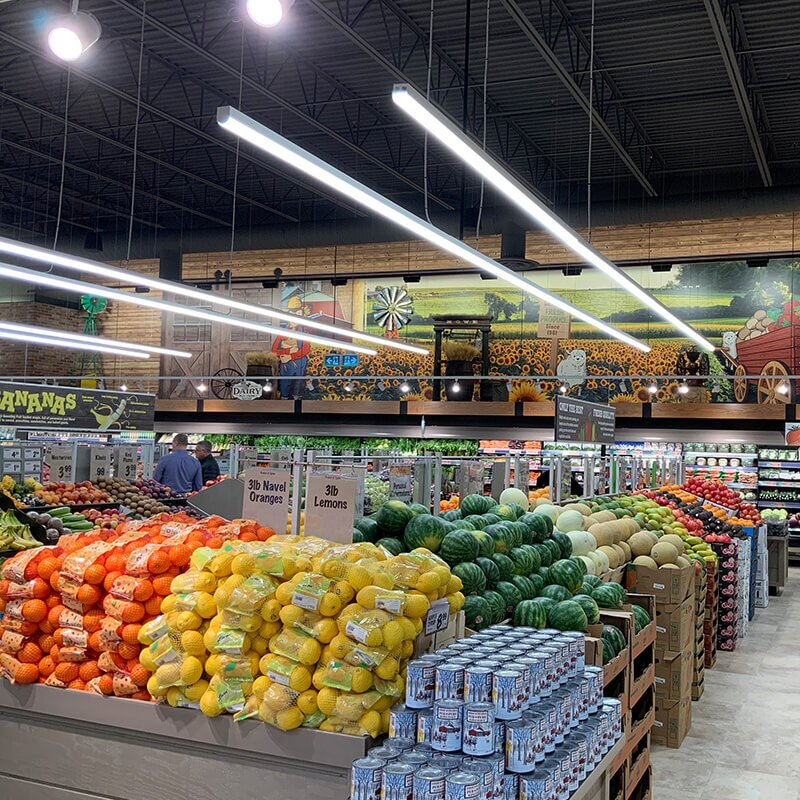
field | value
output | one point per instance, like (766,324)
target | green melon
(567,616)
(545,603)
(510,594)
(537,525)
(451,515)
(524,563)
(556,592)
(475,504)
(490,570)
(491,519)
(368,527)
(497,604)
(472,576)
(425,530)
(534,556)
(418,508)
(358,536)
(641,619)
(458,546)
(485,542)
(615,636)
(393,516)
(463,524)
(531,614)
(581,564)
(589,607)
(477,612)
(394,546)
(606,596)
(566,573)
(538,582)
(545,554)
(504,564)
(525,586)
(592,580)
(555,550)
(499,534)
(477,521)
(564,543)
(508,512)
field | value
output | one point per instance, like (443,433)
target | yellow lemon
(345,591)
(243,564)
(392,634)
(213,664)
(454,584)
(250,622)
(407,649)
(269,629)
(196,690)
(259,645)
(155,688)
(209,704)
(300,679)
(307,702)
(388,668)
(260,686)
(366,597)
(289,718)
(209,638)
(383,579)
(270,611)
(168,674)
(146,659)
(408,626)
(168,603)
(371,723)
(325,630)
(174,696)
(188,621)
(309,651)
(191,670)
(290,615)
(358,577)
(206,607)
(317,679)
(192,643)
(416,605)
(326,700)
(362,680)
(427,582)
(330,604)
(283,594)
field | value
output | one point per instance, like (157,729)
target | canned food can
(433,658)
(582,684)
(462,644)
(478,684)
(446,762)
(603,732)
(428,783)
(414,758)
(508,694)
(398,781)
(384,753)
(538,721)
(478,736)
(550,713)
(520,748)
(447,726)
(449,682)
(595,675)
(498,762)
(565,646)
(561,701)
(424,727)
(499,735)
(550,682)
(366,776)
(462,786)
(582,745)
(420,684)
(461,660)
(517,633)
(519,650)
(510,786)
(540,676)
(402,721)
(531,664)
(486,772)
(579,649)
(423,747)
(401,743)
(493,664)
(592,754)
(525,669)
(565,770)
(614,707)
(536,786)
(553,769)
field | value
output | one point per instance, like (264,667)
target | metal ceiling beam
(406,41)
(170,118)
(74,126)
(726,22)
(291,108)
(557,24)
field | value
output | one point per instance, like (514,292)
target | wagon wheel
(739,383)
(223,382)
(772,376)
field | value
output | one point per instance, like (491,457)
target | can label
(462,786)
(403,722)
(478,683)
(420,684)
(398,782)
(508,694)
(424,727)
(478,734)
(537,786)
(428,784)
(520,749)
(583,756)
(538,723)
(365,779)
(551,727)
(510,786)
(446,732)
(486,772)
(449,682)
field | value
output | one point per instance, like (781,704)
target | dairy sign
(71,408)
(246,390)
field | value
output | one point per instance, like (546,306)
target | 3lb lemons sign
(330,506)
(71,408)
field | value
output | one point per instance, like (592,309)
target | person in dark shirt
(178,469)
(543,481)
(208,463)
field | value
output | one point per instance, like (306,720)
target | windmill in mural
(392,310)
(88,363)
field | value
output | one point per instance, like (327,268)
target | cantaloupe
(641,543)
(611,554)
(601,561)
(601,516)
(682,562)
(516,496)
(581,508)
(541,501)
(670,566)
(627,550)
(569,521)
(621,557)
(552,511)
(605,533)
(582,542)
(645,561)
(664,553)
(673,539)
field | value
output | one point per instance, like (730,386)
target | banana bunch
(14,535)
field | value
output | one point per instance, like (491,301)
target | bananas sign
(34,405)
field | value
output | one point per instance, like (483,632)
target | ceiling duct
(512,248)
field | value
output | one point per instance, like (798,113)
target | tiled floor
(745,738)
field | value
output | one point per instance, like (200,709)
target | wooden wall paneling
(351,407)
(214,406)
(464,409)
(746,411)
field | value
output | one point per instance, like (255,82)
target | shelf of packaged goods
(183,752)
(734,485)
(777,503)
(715,455)
(718,468)
(773,484)
(779,464)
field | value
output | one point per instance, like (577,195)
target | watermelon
(485,542)
(556,592)
(458,546)
(476,520)
(513,535)
(589,608)
(592,580)
(463,524)
(614,636)
(490,570)
(393,516)
(607,597)
(508,512)
(504,564)
(368,527)
(500,536)
(472,577)
(538,582)
(537,525)
(555,550)
(523,562)
(394,546)
(567,616)
(531,614)
(586,588)
(526,588)
(497,605)
(451,515)
(491,519)
(492,503)
(533,554)
(475,504)
(521,532)
(564,543)
(544,573)
(544,602)
(510,594)
(358,536)
(548,521)
(425,530)
(581,564)
(477,612)
(641,619)
(418,508)
(567,574)
(545,555)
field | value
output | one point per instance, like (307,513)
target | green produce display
(458,546)
(477,612)
(425,530)
(567,616)
(472,576)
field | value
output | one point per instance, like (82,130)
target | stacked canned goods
(520,718)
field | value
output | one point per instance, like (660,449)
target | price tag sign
(125,463)
(12,453)
(59,459)
(438,617)
(400,483)
(266,497)
(330,506)
(99,462)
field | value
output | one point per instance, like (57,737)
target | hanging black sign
(581,421)
(70,408)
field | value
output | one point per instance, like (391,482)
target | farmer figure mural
(292,356)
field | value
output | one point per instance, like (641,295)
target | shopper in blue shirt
(178,469)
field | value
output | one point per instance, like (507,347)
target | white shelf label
(330,506)
(125,463)
(266,497)
(59,459)
(99,462)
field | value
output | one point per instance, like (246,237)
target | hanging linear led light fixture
(487,167)
(88,266)
(278,146)
(164,306)
(36,330)
(52,341)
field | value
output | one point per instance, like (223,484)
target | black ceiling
(692,98)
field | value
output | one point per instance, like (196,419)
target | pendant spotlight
(70,35)
(267,13)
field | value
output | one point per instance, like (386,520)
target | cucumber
(61,511)
(69,518)
(80,527)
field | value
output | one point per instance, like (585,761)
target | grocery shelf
(715,454)
(734,485)
(182,752)
(773,484)
(717,468)
(778,503)
(779,464)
